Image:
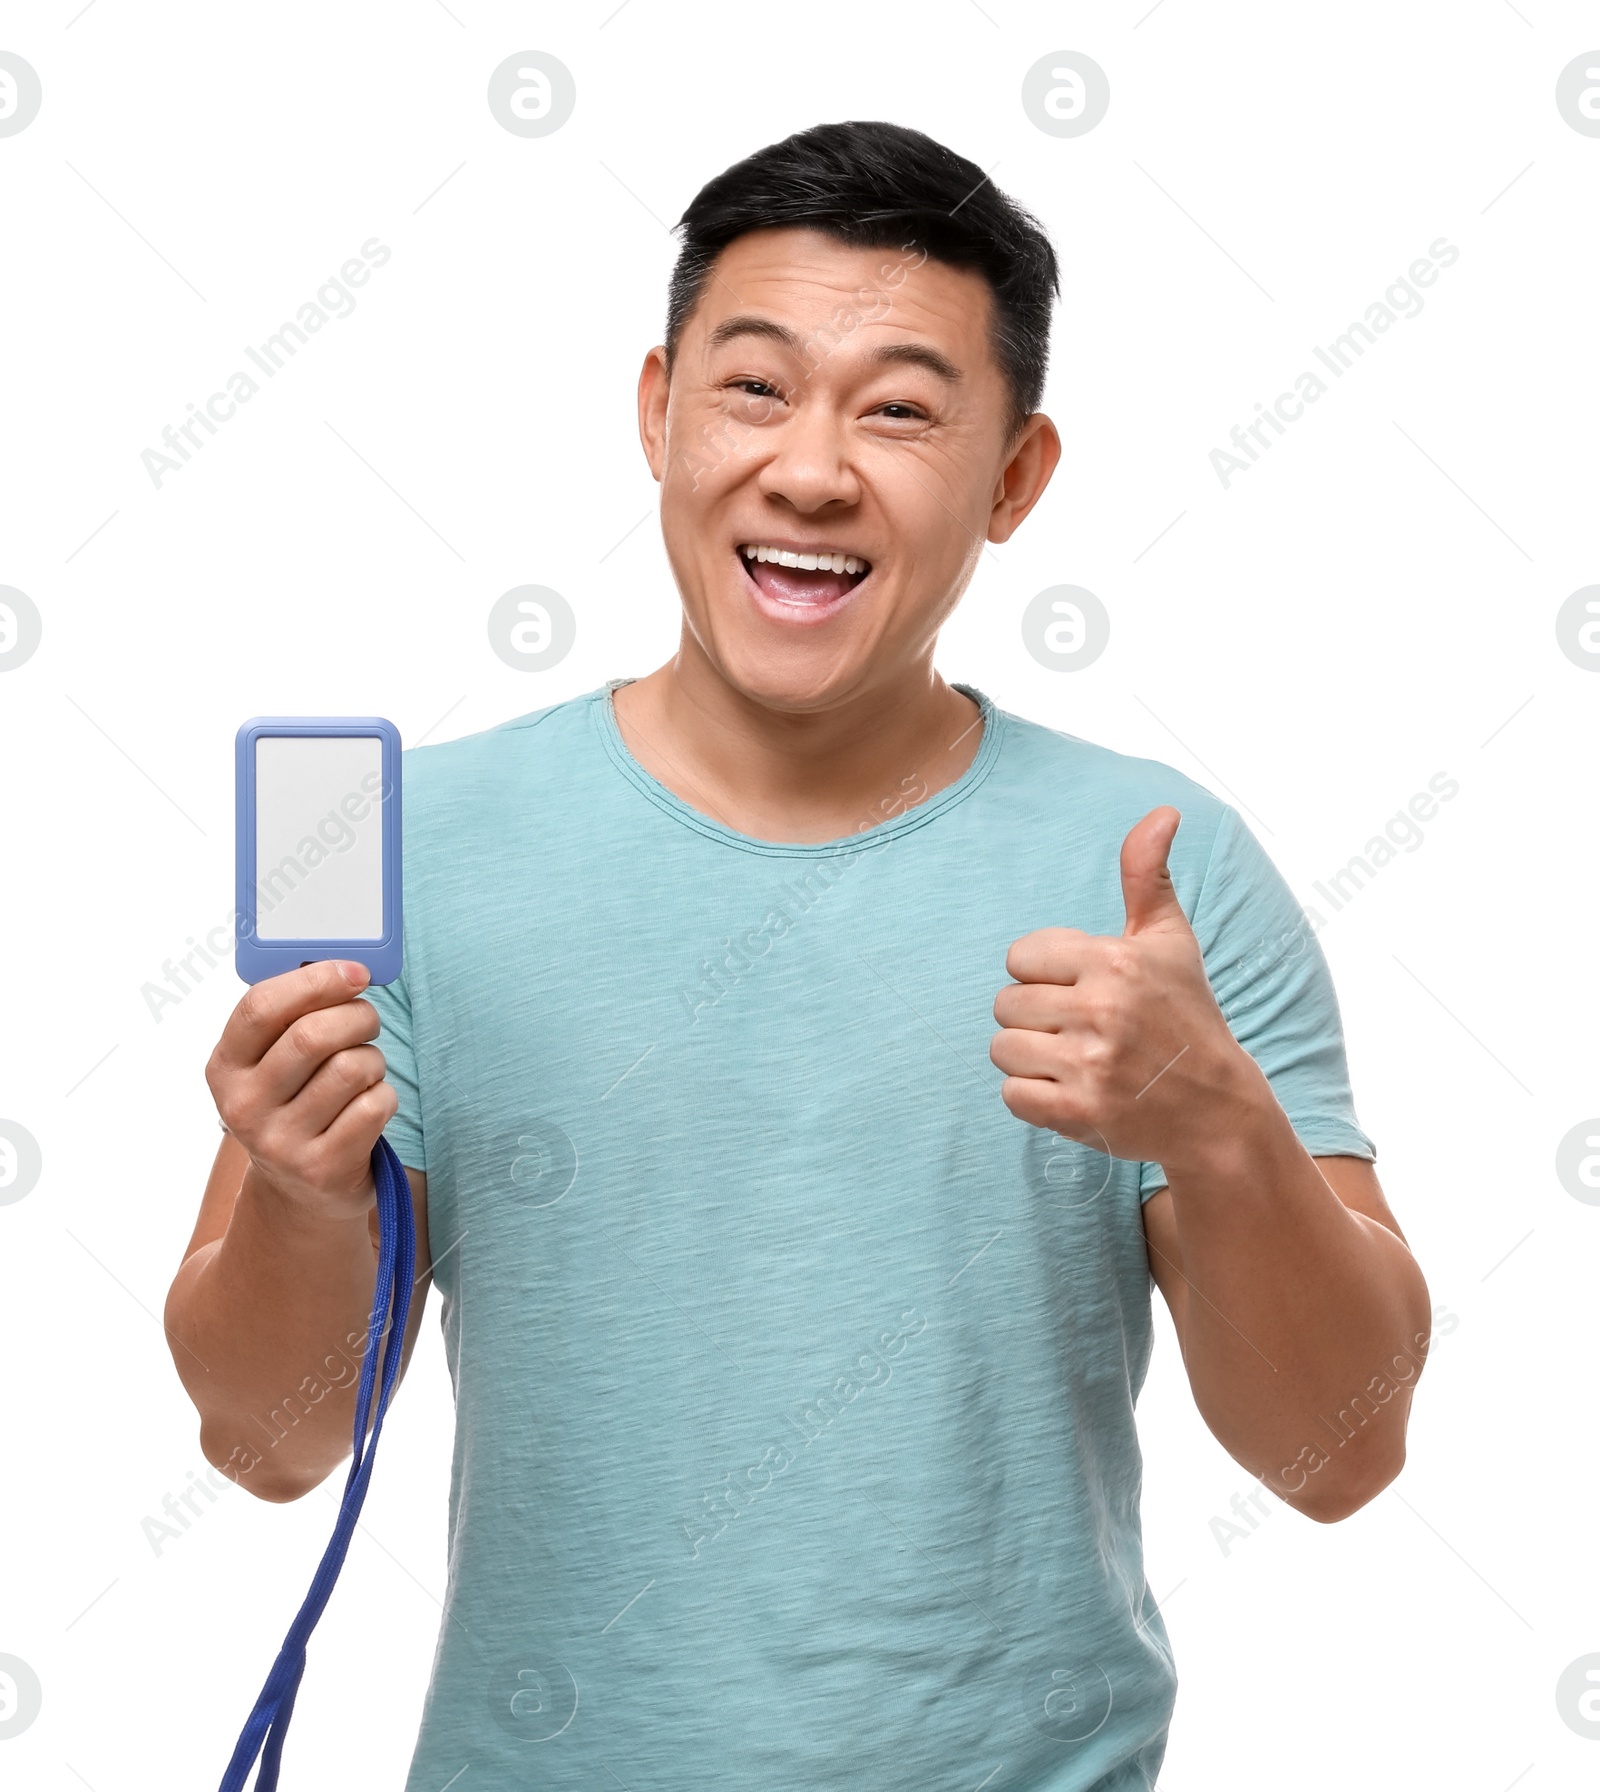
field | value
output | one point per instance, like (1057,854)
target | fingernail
(354,974)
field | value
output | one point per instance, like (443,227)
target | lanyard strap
(268,1722)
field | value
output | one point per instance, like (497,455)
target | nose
(810,466)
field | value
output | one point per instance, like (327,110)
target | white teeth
(804,562)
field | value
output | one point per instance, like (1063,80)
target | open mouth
(808,583)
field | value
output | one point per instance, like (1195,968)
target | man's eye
(906,411)
(756,388)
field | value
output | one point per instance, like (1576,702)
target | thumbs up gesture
(1117,1041)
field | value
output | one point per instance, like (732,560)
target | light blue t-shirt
(794,1376)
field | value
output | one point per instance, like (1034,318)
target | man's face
(835,402)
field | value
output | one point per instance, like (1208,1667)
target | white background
(1372,604)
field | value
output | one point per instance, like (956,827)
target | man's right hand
(299,1084)
(268,1313)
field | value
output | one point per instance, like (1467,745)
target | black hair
(875,185)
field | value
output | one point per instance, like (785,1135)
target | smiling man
(795,1315)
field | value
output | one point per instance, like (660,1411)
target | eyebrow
(903,354)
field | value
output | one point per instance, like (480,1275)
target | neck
(797,775)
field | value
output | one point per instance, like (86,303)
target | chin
(800,677)
(795,639)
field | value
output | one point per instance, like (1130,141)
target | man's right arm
(267,1317)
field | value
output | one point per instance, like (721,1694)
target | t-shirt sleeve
(1273,985)
(404,1131)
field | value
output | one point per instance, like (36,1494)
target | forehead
(802,278)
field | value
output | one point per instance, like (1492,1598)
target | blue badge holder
(257,957)
(268,1722)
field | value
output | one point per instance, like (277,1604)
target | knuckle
(1056,1115)
(361,1066)
(1028,1102)
(320,1035)
(330,1079)
(362,1103)
(1106,1005)
(1096,1008)
(277,1166)
(340,1070)
(234,1099)
(317,1164)
(276,1137)
(1050,1006)
(376,1106)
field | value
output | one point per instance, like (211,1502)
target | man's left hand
(1118,1042)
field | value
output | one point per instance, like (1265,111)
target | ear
(653,411)
(1030,462)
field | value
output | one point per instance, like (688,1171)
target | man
(795,1316)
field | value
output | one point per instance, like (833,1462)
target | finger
(1019,1051)
(1043,1007)
(337,1082)
(1148,898)
(271,1006)
(1042,1102)
(306,1047)
(347,1144)
(1050,955)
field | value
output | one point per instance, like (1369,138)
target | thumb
(1148,898)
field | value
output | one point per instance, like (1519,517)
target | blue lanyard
(268,1723)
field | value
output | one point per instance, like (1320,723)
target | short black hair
(874,186)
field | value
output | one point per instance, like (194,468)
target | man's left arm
(1301,1314)
(1302,1317)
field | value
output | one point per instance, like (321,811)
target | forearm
(268,1324)
(1304,1324)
